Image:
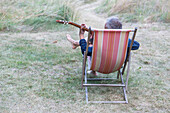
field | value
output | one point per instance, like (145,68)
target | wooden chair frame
(119,74)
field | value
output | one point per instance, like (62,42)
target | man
(111,23)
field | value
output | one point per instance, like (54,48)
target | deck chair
(109,55)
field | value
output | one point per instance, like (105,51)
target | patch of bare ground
(46,86)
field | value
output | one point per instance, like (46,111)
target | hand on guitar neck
(71,23)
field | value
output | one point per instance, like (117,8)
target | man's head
(113,23)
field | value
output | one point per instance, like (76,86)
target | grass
(137,11)
(40,15)
(39,76)
(89,1)
(37,63)
(35,72)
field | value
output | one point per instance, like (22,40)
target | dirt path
(89,17)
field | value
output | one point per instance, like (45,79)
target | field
(37,75)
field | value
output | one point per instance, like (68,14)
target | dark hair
(113,23)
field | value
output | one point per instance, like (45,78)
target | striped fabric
(109,50)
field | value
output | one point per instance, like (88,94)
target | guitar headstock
(62,21)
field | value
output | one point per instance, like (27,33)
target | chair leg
(124,89)
(85,78)
(128,69)
(121,85)
(83,68)
(118,73)
(83,72)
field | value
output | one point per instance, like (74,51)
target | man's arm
(83,42)
(135,45)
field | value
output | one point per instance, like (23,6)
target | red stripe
(115,51)
(109,52)
(95,47)
(104,51)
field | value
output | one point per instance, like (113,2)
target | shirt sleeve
(135,45)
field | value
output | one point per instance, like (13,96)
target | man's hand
(82,31)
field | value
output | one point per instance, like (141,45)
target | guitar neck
(72,23)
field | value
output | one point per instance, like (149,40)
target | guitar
(71,23)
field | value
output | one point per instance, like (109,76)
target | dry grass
(39,76)
(134,10)
(24,15)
